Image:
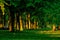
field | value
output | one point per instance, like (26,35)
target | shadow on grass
(24,35)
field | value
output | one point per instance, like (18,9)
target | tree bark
(28,20)
(54,27)
(35,24)
(21,27)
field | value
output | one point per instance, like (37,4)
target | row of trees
(44,12)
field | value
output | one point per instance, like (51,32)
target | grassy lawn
(26,35)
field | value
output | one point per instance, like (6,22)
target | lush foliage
(42,11)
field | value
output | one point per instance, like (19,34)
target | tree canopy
(41,10)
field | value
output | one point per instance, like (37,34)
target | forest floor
(29,35)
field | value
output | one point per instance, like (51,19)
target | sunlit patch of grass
(49,32)
(54,35)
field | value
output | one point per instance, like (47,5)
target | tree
(42,10)
(1,22)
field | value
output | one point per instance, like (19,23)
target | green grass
(25,35)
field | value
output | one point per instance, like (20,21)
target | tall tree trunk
(10,27)
(29,25)
(29,20)
(12,22)
(2,9)
(26,25)
(1,17)
(12,12)
(15,23)
(9,22)
(21,27)
(26,22)
(18,21)
(5,20)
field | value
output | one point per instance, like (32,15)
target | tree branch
(6,3)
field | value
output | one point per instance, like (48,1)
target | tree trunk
(21,27)
(29,20)
(15,24)
(1,23)
(59,27)
(18,21)
(35,24)
(11,8)
(26,22)
(32,26)
(12,22)
(29,25)
(54,28)
(2,7)
(26,25)
(10,27)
